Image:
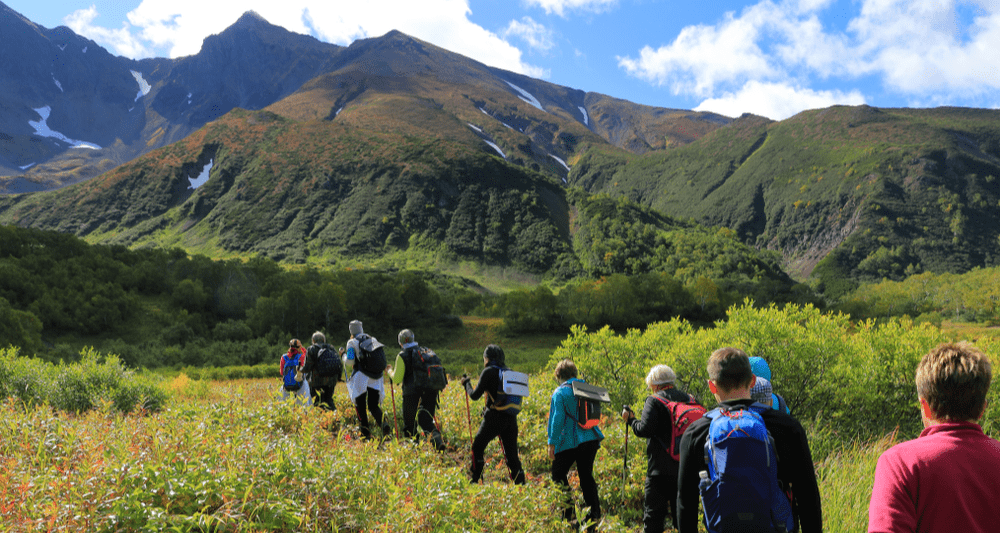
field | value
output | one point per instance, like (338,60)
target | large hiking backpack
(328,362)
(682,414)
(371,357)
(513,389)
(291,369)
(428,373)
(742,491)
(588,403)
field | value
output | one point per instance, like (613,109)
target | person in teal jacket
(569,443)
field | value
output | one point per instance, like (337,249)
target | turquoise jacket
(564,432)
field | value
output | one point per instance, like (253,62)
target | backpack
(291,366)
(588,403)
(328,362)
(370,359)
(513,389)
(741,490)
(682,414)
(428,373)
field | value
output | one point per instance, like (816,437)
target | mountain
(855,193)
(73,111)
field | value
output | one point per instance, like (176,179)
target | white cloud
(178,27)
(776,101)
(919,48)
(536,35)
(703,57)
(120,41)
(560,7)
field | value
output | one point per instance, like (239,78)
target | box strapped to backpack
(513,389)
(741,491)
(588,403)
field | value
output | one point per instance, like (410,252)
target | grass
(231,457)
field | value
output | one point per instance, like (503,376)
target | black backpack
(328,362)
(370,359)
(428,373)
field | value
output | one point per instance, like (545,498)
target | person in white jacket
(365,391)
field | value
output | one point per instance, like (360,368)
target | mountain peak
(250,19)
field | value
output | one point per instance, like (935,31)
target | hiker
(568,443)
(290,366)
(758,475)
(656,423)
(365,386)
(948,478)
(420,396)
(499,417)
(323,368)
(761,369)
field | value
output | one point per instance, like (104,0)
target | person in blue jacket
(569,443)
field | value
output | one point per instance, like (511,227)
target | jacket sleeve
(804,485)
(488,381)
(558,414)
(692,461)
(398,369)
(650,423)
(892,509)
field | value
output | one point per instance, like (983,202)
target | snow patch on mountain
(57,83)
(526,96)
(143,86)
(497,148)
(26,167)
(474,127)
(61,46)
(42,129)
(203,177)
(189,98)
(586,118)
(85,49)
(561,162)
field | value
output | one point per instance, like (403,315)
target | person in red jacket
(948,478)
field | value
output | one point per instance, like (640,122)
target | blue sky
(769,57)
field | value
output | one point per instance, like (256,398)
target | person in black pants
(569,443)
(321,386)
(497,421)
(656,424)
(419,403)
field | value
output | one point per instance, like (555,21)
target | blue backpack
(291,364)
(742,491)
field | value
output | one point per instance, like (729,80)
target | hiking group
(745,466)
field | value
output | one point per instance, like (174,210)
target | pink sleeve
(892,508)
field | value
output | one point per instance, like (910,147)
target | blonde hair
(954,379)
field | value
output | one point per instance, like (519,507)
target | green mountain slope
(868,192)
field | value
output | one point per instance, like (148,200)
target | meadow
(230,456)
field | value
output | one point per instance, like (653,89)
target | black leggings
(496,424)
(584,456)
(370,397)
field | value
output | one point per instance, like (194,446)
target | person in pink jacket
(947,479)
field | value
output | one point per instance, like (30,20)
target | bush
(78,387)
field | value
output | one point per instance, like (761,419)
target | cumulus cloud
(120,41)
(179,26)
(920,48)
(561,7)
(536,35)
(776,101)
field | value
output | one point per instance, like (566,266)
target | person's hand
(627,414)
(465,381)
(341,350)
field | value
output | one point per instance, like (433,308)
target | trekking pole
(625,455)
(395,423)
(468,417)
